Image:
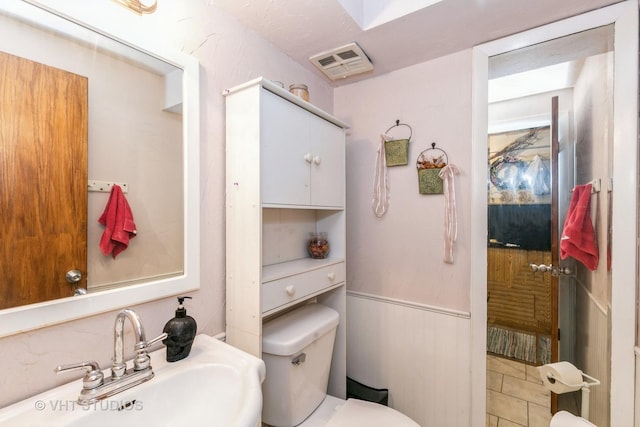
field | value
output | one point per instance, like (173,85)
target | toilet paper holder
(550,376)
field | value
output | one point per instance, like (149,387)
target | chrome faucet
(142,360)
(94,385)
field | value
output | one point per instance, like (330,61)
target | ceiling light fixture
(138,6)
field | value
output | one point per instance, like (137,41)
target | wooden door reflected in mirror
(43,186)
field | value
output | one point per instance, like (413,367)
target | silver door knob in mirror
(73,276)
(555,271)
(540,268)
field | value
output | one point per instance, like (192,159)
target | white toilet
(297,349)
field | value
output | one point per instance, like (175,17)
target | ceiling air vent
(342,62)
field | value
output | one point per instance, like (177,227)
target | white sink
(216,385)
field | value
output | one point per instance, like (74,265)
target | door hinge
(558,334)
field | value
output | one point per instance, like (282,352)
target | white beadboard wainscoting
(592,352)
(422,354)
(637,401)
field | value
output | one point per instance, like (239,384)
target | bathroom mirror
(142,128)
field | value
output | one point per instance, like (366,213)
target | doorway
(584,84)
(623,157)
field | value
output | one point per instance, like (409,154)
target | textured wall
(408,321)
(401,254)
(229,54)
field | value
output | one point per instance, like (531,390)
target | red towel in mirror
(578,238)
(118,221)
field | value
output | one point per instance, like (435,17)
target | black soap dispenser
(181,331)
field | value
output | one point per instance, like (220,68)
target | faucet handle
(146,344)
(93,378)
(142,360)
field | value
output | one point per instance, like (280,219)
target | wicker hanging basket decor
(397,150)
(429,164)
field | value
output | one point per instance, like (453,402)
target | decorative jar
(318,245)
(300,90)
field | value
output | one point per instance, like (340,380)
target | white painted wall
(593,99)
(229,54)
(408,311)
(401,254)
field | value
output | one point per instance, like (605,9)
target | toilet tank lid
(293,331)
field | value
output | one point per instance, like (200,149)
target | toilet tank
(297,349)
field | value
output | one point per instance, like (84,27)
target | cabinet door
(326,145)
(285,156)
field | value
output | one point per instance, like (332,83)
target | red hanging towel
(118,221)
(578,238)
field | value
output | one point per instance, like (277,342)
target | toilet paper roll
(561,377)
(566,419)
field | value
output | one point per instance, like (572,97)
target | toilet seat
(359,413)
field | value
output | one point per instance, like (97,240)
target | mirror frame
(624,16)
(34,316)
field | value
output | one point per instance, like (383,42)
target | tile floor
(515,395)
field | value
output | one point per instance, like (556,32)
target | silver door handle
(73,276)
(542,268)
(561,271)
(555,270)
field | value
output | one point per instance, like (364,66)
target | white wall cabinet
(285,179)
(300,156)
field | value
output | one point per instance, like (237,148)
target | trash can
(360,391)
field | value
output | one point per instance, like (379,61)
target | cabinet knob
(291,290)
(331,276)
(308,158)
(317,160)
